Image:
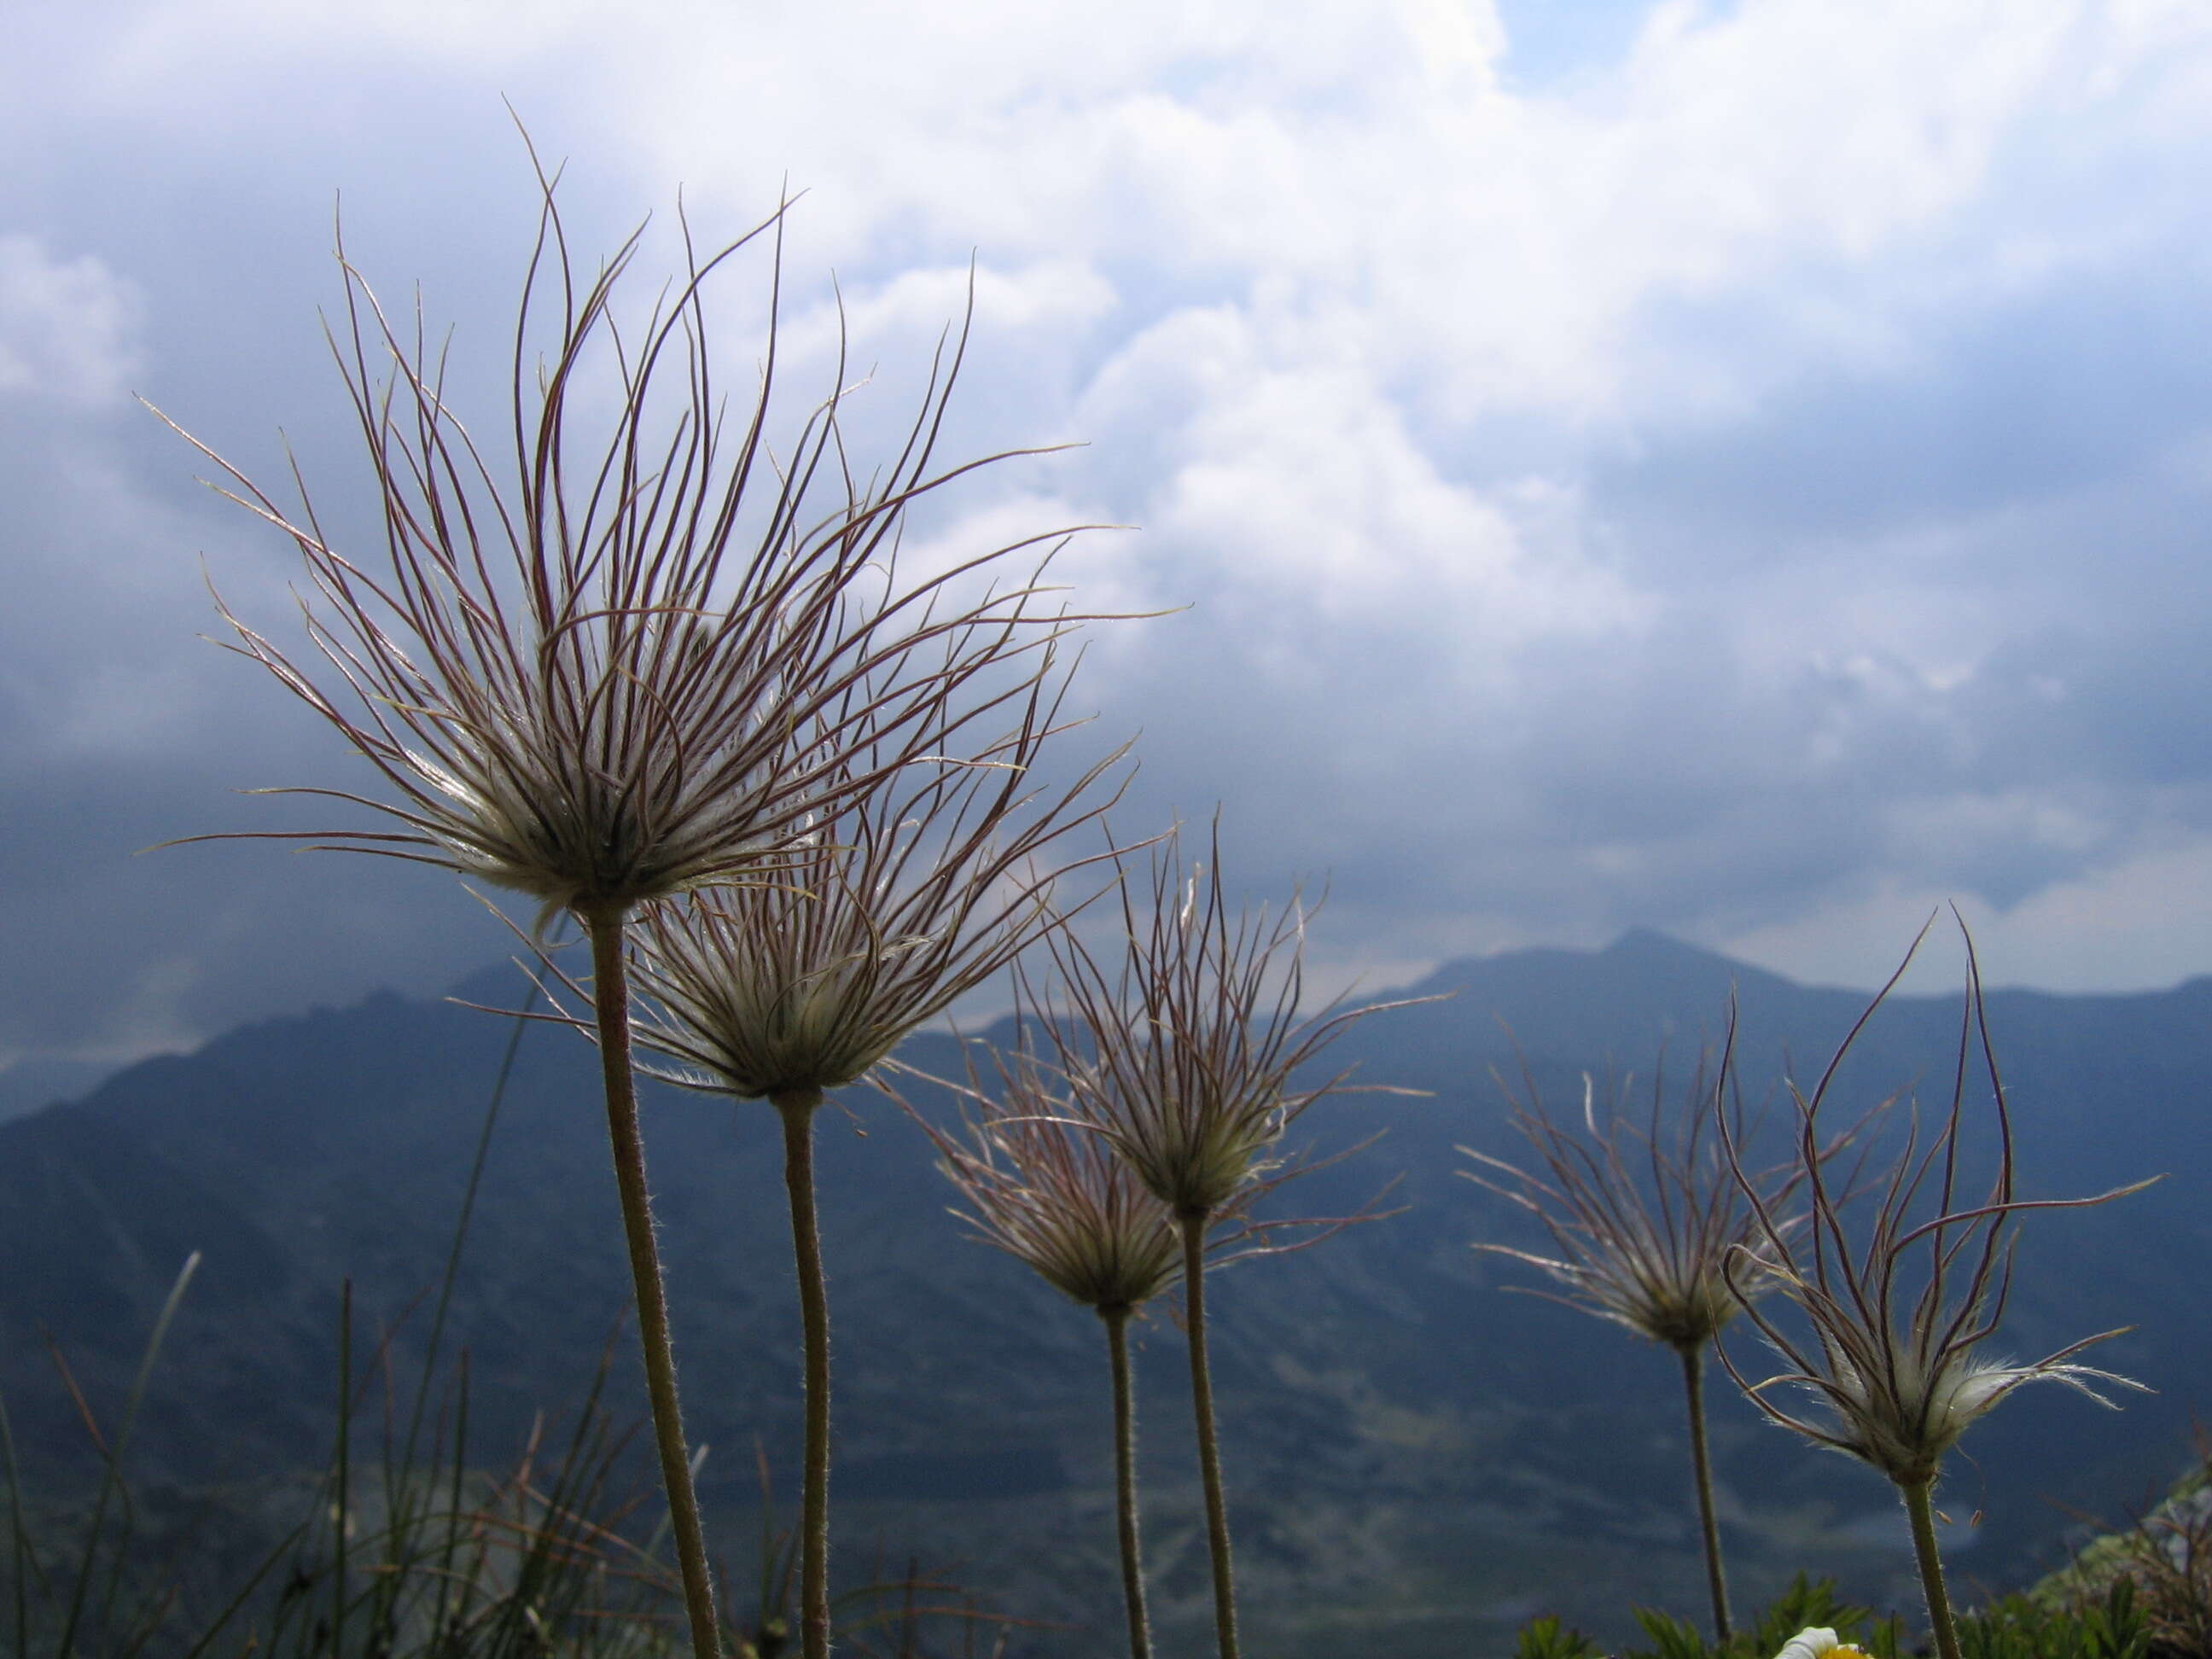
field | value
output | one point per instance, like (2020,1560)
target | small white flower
(1813,1641)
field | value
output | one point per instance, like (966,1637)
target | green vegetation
(2113,1627)
(407,1547)
(438,1558)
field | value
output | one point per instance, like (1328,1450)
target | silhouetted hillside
(1410,1452)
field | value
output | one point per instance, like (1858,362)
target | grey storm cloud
(1686,469)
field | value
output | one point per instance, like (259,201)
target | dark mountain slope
(1410,1452)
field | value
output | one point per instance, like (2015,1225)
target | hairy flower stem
(1693,1386)
(611,1000)
(1209,1446)
(1116,1321)
(1922,1511)
(797,1107)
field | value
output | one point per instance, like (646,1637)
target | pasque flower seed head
(621,670)
(1891,1333)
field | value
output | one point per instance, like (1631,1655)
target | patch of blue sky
(1553,46)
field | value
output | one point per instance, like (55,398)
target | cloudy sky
(1740,469)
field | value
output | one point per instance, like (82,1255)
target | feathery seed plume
(1894,1352)
(640,652)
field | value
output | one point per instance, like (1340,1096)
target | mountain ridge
(1398,1436)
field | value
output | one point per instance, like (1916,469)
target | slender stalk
(1693,1387)
(446,1575)
(1116,1319)
(611,999)
(344,1511)
(1917,1506)
(461,1222)
(1209,1447)
(111,1479)
(19,1541)
(797,1106)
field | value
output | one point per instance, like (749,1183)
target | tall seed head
(888,910)
(580,670)
(1045,1190)
(1645,1215)
(1180,1048)
(1895,1328)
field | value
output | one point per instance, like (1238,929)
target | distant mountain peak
(1648,950)
(1649,944)
(1643,951)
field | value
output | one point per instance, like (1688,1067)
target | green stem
(345,1469)
(1922,1511)
(797,1107)
(1209,1448)
(19,1540)
(610,997)
(1693,1385)
(461,1225)
(111,1479)
(1125,1479)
